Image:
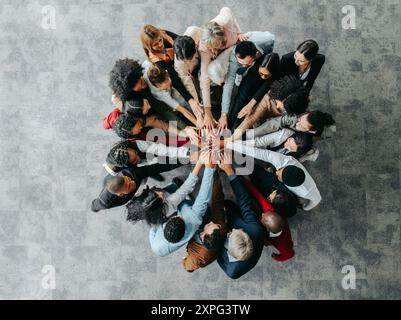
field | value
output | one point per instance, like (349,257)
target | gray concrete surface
(54,94)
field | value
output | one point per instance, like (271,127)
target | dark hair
(115,184)
(184,47)
(124,124)
(304,143)
(292,93)
(285,204)
(147,206)
(245,49)
(293,176)
(133,107)
(309,48)
(174,229)
(271,62)
(157,75)
(118,154)
(319,120)
(214,241)
(123,77)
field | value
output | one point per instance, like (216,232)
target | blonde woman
(217,39)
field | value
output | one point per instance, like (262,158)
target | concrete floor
(54,95)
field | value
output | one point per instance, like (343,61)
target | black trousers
(241,97)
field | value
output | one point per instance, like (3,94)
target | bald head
(272,221)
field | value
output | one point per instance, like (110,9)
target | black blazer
(248,220)
(107,200)
(288,67)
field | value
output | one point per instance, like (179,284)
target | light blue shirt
(192,213)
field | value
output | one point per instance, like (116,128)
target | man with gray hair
(244,244)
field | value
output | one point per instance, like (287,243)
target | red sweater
(283,243)
(109,120)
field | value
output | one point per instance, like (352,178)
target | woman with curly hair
(159,49)
(131,94)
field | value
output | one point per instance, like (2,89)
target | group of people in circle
(221,99)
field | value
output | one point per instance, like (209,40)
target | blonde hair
(213,35)
(240,245)
(147,35)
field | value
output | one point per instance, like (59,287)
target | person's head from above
(269,66)
(159,77)
(121,185)
(125,77)
(174,229)
(148,206)
(152,39)
(291,175)
(184,48)
(133,107)
(212,236)
(128,126)
(306,52)
(272,221)
(298,144)
(284,203)
(246,53)
(314,122)
(213,37)
(289,95)
(123,154)
(240,245)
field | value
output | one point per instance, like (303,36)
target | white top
(270,140)
(152,150)
(305,74)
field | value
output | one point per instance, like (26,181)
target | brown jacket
(198,256)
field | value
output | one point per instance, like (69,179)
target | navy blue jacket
(247,219)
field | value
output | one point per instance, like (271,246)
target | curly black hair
(125,73)
(124,124)
(118,154)
(291,91)
(148,207)
(174,229)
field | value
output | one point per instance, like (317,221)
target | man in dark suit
(244,243)
(119,189)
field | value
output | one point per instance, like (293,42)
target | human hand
(192,134)
(146,106)
(242,37)
(245,111)
(196,107)
(209,122)
(223,121)
(225,162)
